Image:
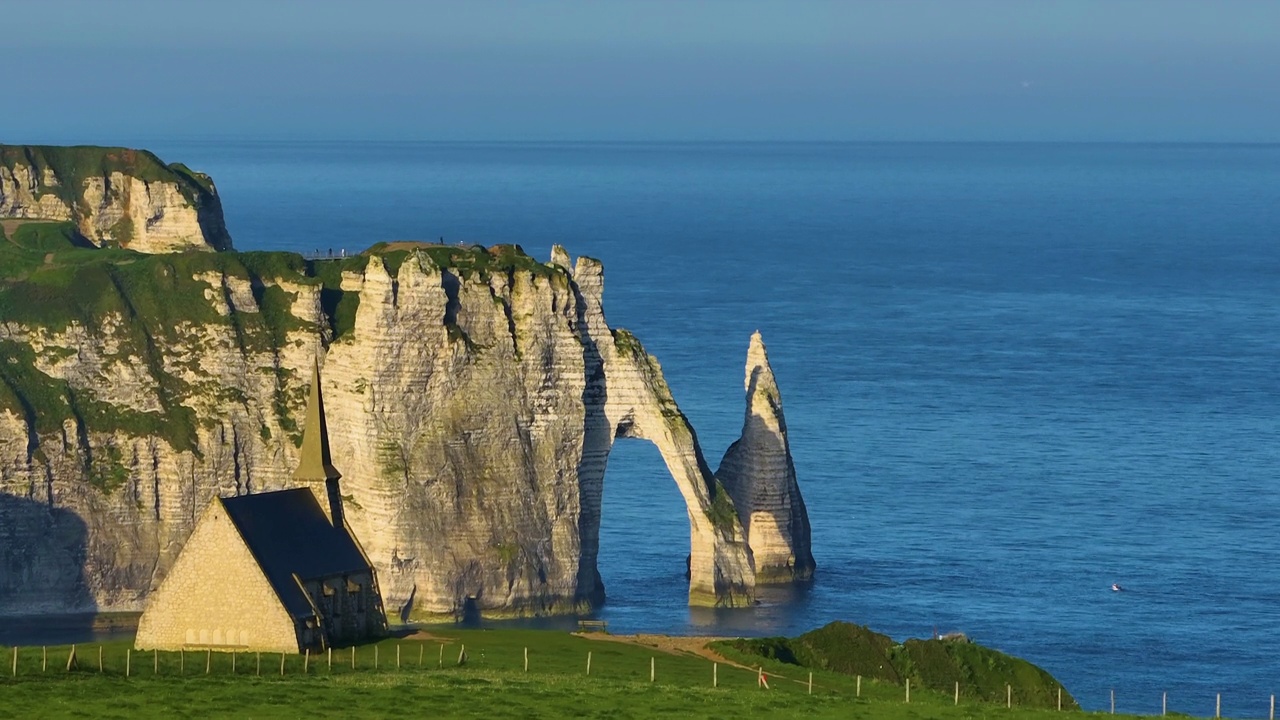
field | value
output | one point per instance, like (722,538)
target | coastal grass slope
(421,674)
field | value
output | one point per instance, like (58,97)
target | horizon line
(674,141)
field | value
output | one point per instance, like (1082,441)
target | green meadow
(422,677)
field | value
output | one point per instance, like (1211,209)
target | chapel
(274,571)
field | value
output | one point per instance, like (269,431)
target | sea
(1013,374)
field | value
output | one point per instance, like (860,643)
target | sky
(119,71)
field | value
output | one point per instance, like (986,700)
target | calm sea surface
(1013,374)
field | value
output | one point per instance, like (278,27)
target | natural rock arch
(627,397)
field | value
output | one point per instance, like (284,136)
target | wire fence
(410,656)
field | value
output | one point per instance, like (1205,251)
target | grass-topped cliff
(983,674)
(114,196)
(52,280)
(73,165)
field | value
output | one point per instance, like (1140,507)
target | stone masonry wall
(216,596)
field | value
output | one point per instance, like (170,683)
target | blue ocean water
(1013,374)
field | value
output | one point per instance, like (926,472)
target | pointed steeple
(314,462)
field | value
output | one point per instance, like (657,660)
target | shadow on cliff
(44,595)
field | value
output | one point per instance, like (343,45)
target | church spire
(314,462)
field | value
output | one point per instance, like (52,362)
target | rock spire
(760,476)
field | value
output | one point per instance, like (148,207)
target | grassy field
(491,683)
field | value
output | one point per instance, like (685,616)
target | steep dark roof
(289,534)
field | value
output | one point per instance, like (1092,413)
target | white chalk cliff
(114,196)
(473,398)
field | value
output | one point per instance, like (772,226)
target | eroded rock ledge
(473,394)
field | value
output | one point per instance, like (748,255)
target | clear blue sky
(103,71)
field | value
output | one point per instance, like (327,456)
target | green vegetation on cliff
(147,305)
(464,260)
(68,173)
(152,307)
(73,165)
(853,650)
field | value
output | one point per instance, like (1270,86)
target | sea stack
(761,478)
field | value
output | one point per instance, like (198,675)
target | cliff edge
(115,197)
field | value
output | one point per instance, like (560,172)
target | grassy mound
(983,674)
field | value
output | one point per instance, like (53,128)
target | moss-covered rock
(937,664)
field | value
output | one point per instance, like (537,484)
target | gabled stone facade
(278,571)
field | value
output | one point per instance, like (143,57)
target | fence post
(957,692)
(182,661)
(375,657)
(441,655)
(233,662)
(462,655)
(15,661)
(71,658)
(653,669)
(859,686)
(128,661)
(421,648)
(44,658)
(810,682)
(1008,695)
(397,656)
(208,660)
(330,660)
(1059,698)
(526,659)
(155,661)
(1113,701)
(588,662)
(1217,710)
(1273,707)
(306,660)
(908,690)
(282,664)
(99,658)
(353,657)
(715,675)
(258,662)
(1164,703)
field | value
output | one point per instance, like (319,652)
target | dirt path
(681,645)
(424,636)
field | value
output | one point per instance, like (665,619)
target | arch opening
(644,533)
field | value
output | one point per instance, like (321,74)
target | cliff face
(473,397)
(114,196)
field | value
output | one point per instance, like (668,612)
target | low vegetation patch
(939,664)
